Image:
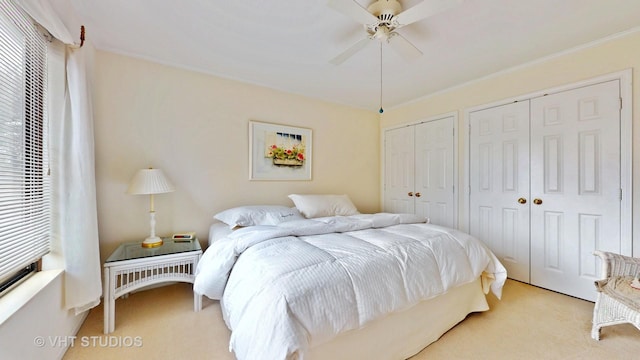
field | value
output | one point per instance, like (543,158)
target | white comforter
(300,283)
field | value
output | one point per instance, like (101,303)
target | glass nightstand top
(134,250)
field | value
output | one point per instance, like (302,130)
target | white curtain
(75,219)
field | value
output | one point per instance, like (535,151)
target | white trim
(456,165)
(626,150)
(456,197)
(80,318)
(463,224)
(421,121)
(626,162)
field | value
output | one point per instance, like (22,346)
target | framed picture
(279,152)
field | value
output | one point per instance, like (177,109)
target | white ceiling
(287,44)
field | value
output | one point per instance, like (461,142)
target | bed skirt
(403,334)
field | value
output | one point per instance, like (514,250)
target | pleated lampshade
(150,181)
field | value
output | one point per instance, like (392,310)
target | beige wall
(608,57)
(195,128)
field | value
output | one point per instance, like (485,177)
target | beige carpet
(528,323)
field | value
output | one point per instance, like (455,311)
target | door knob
(522,201)
(410,193)
(537,201)
(418,194)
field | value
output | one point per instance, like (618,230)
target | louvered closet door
(499,177)
(575,175)
(399,170)
(434,171)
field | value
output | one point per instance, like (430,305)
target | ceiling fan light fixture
(382,33)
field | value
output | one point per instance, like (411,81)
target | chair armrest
(618,265)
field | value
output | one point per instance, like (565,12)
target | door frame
(456,156)
(626,151)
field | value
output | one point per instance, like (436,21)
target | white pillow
(257,215)
(313,206)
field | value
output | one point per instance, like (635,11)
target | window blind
(24,183)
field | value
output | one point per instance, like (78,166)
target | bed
(343,286)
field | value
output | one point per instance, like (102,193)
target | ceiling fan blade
(353,10)
(423,10)
(350,51)
(403,47)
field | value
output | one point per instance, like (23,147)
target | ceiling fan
(381,21)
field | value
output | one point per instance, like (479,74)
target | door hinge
(620,103)
(620,194)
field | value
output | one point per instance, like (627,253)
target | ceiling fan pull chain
(381,110)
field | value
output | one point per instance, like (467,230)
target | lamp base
(152,242)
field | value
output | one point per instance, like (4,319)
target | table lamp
(150,182)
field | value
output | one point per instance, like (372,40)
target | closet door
(499,184)
(575,186)
(399,170)
(419,170)
(434,159)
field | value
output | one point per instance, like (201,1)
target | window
(24,183)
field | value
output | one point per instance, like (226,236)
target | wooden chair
(617,302)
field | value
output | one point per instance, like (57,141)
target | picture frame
(279,152)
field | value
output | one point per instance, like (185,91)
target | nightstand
(132,267)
